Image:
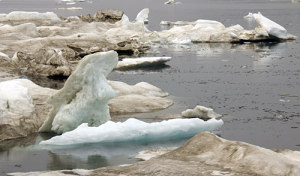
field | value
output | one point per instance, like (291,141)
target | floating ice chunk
(85,95)
(135,130)
(142,16)
(142,97)
(141,88)
(200,112)
(270,26)
(71,8)
(170,2)
(134,103)
(141,62)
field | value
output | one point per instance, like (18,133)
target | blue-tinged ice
(135,130)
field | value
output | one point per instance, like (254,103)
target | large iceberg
(135,130)
(85,95)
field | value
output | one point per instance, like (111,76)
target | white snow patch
(134,130)
(141,62)
(85,95)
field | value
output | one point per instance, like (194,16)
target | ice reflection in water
(16,154)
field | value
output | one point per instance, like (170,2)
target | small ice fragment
(200,112)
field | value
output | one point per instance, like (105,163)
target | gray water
(255,86)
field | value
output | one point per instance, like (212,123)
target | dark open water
(256,86)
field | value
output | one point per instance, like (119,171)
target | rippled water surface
(256,85)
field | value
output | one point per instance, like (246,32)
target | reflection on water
(15,157)
(217,49)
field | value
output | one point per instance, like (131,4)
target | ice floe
(141,97)
(23,107)
(85,95)
(200,112)
(134,130)
(141,62)
(272,28)
(74,37)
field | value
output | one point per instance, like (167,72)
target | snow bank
(85,95)
(200,112)
(134,130)
(141,62)
(134,103)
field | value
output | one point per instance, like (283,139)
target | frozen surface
(134,130)
(85,95)
(141,62)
